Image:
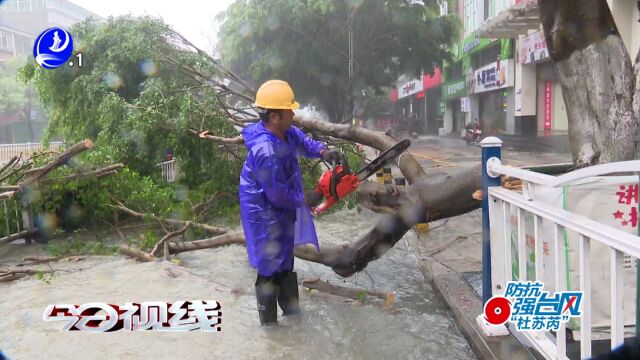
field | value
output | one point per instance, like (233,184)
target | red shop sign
(548,104)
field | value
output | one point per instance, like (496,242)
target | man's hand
(330,156)
(312,198)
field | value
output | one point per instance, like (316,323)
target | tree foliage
(12,93)
(136,97)
(137,94)
(306,43)
(133,97)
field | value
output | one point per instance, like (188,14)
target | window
(37,4)
(469,16)
(4,41)
(444,8)
(456,70)
(24,5)
(8,5)
(486,56)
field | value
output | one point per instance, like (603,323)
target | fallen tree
(600,117)
(427,198)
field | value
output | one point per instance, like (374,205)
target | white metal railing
(169,170)
(503,202)
(8,151)
(10,212)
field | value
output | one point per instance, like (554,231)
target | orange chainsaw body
(343,184)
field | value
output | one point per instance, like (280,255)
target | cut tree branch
(107,170)
(205,227)
(206,135)
(226,239)
(61,160)
(169,236)
(136,253)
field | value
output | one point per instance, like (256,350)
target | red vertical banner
(548,104)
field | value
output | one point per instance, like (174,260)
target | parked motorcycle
(472,135)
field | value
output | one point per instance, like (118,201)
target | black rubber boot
(288,298)
(267,296)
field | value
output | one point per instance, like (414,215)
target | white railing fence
(170,170)
(521,216)
(8,151)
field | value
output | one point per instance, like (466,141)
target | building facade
(501,74)
(539,108)
(417,104)
(21,21)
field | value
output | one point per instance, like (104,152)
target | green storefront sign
(454,89)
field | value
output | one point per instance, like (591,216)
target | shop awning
(514,21)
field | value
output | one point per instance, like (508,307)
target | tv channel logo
(53,47)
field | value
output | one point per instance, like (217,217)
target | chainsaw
(338,181)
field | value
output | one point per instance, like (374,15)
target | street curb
(466,306)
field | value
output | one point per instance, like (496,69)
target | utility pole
(351,11)
(353,108)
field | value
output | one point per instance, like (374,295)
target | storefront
(549,111)
(491,87)
(410,107)
(416,107)
(454,94)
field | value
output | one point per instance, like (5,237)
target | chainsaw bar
(383,159)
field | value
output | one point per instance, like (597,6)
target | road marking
(431,159)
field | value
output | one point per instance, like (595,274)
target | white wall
(625,14)
(525,90)
(448,118)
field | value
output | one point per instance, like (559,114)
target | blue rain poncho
(274,215)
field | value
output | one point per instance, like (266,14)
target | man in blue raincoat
(272,204)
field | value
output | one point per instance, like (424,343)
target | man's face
(282,119)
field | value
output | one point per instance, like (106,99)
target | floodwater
(417,326)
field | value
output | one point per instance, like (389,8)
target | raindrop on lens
(273,23)
(148,68)
(245,30)
(354,4)
(272,248)
(275,62)
(386,224)
(112,80)
(47,222)
(325,79)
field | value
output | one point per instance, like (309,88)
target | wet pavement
(453,247)
(419,325)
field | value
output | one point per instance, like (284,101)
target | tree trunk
(597,79)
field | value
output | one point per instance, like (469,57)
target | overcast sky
(193,19)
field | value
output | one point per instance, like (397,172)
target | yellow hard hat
(276,94)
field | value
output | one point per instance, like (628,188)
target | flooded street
(417,326)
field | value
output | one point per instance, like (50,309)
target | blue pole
(491,147)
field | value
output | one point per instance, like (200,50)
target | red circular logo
(497,310)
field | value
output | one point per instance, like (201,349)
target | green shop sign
(454,89)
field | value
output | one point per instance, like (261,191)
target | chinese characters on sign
(530,308)
(533,48)
(548,102)
(410,88)
(465,107)
(154,315)
(456,88)
(627,215)
(496,75)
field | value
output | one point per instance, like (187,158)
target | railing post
(491,147)
(638,274)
